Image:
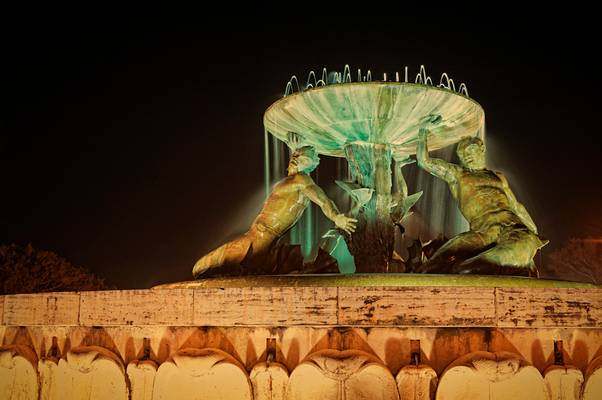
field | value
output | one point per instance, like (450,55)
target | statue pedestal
(300,337)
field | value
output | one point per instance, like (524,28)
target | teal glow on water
(343,256)
(307,234)
(436,214)
(266,163)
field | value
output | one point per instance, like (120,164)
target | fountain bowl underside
(330,117)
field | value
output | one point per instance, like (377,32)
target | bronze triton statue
(502,238)
(282,209)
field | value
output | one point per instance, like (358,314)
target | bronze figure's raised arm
(502,238)
(282,209)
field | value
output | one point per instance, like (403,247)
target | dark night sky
(133,154)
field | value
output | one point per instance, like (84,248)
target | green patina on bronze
(502,238)
(256,251)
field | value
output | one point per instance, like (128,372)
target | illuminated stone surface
(207,374)
(416,382)
(88,372)
(42,308)
(142,379)
(269,381)
(303,321)
(592,389)
(333,375)
(47,370)
(293,306)
(485,375)
(18,374)
(564,383)
(135,307)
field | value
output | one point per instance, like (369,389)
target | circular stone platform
(372,280)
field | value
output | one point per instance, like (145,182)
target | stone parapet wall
(311,306)
(278,342)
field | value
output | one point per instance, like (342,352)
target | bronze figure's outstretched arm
(437,167)
(317,195)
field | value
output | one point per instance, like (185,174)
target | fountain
(375,334)
(374,126)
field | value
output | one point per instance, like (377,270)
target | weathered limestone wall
(155,344)
(311,306)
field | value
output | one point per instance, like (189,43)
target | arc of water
(345,77)
(309,84)
(450,82)
(452,85)
(323,80)
(346,74)
(336,78)
(423,78)
(418,79)
(424,74)
(295,82)
(290,86)
(266,163)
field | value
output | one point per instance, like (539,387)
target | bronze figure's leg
(457,248)
(512,255)
(230,254)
